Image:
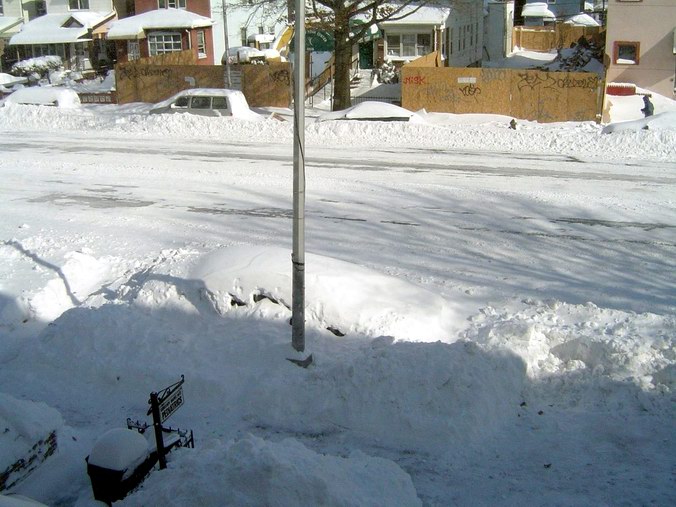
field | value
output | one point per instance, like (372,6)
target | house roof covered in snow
(8,22)
(582,20)
(60,28)
(135,27)
(537,10)
(426,15)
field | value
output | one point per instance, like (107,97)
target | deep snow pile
(417,395)
(254,472)
(433,130)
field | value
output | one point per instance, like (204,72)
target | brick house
(165,26)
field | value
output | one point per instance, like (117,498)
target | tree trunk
(343,60)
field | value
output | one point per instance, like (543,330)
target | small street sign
(171,403)
(162,405)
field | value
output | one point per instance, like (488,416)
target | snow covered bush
(41,66)
(388,73)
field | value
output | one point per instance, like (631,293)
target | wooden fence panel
(262,85)
(267,85)
(152,83)
(524,94)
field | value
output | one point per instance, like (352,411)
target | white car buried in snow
(43,96)
(208,102)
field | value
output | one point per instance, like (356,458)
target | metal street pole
(228,78)
(298,254)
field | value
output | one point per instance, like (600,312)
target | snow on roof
(7,22)
(135,26)
(537,10)
(8,79)
(426,15)
(582,20)
(56,29)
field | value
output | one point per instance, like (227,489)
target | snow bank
(339,295)
(485,133)
(588,356)
(254,472)
(660,121)
(369,111)
(24,423)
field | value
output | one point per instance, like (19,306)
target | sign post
(298,253)
(162,406)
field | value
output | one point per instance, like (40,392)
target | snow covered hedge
(40,65)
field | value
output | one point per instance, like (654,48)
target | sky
(490,311)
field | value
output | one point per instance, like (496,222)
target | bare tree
(349,21)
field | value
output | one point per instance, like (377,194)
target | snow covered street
(507,300)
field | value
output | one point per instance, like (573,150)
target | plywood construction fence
(262,85)
(524,94)
(267,85)
(545,39)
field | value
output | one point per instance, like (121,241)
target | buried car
(208,102)
(43,96)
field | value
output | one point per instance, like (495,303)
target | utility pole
(228,77)
(298,254)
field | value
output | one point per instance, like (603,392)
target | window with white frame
(201,45)
(393,45)
(133,50)
(78,5)
(171,4)
(409,45)
(161,43)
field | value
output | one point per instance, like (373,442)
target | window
(161,43)
(424,41)
(2,9)
(133,50)
(200,103)
(201,45)
(78,5)
(626,53)
(181,103)
(409,45)
(219,103)
(40,8)
(450,42)
(171,4)
(242,32)
(393,45)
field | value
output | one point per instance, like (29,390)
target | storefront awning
(60,28)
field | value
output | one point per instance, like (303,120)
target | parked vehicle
(208,102)
(43,96)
